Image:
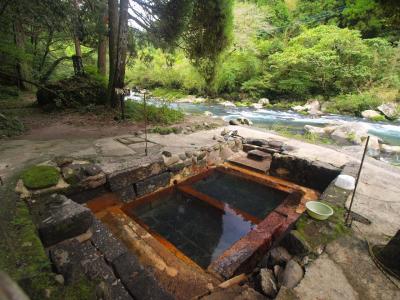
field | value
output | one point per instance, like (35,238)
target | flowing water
(268,118)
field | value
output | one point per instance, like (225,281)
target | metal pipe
(145,122)
(355,186)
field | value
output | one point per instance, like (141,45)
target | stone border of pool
(143,175)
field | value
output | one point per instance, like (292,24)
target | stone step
(258,155)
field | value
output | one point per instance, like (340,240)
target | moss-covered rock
(73,92)
(40,177)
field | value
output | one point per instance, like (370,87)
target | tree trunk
(112,52)
(22,67)
(102,44)
(77,43)
(102,56)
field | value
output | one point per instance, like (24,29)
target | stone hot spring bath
(218,222)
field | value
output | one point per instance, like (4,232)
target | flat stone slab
(258,155)
(105,241)
(139,281)
(350,253)
(62,218)
(110,147)
(72,258)
(243,161)
(325,280)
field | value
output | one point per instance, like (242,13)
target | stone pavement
(344,272)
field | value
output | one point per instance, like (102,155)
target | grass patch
(379,118)
(155,114)
(39,177)
(23,257)
(168,94)
(307,136)
(166,130)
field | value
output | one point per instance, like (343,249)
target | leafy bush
(168,94)
(10,126)
(353,103)
(39,177)
(7,92)
(155,114)
(74,92)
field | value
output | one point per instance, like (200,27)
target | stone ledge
(62,218)
(140,283)
(152,183)
(143,169)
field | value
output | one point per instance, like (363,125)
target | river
(268,118)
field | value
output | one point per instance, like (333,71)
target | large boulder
(353,133)
(390,110)
(263,101)
(370,114)
(390,149)
(313,105)
(72,92)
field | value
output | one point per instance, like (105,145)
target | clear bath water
(199,230)
(251,197)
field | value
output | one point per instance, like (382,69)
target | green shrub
(39,177)
(353,104)
(168,94)
(7,92)
(10,126)
(155,114)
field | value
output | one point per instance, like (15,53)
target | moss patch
(317,233)
(39,177)
(23,257)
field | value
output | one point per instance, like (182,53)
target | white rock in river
(350,132)
(315,130)
(299,108)
(313,105)
(370,114)
(390,149)
(263,101)
(257,105)
(208,113)
(228,104)
(390,110)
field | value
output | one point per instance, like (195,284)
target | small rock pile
(240,121)
(279,269)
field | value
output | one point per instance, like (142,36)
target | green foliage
(39,177)
(353,104)
(209,34)
(379,118)
(155,68)
(237,68)
(168,94)
(155,114)
(10,126)
(7,92)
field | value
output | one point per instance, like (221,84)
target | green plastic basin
(319,210)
